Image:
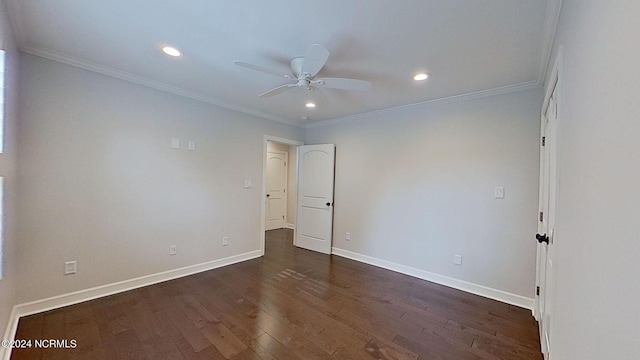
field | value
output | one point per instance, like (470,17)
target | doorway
(310,186)
(279,184)
(277,214)
(276,198)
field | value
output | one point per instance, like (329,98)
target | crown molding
(551,19)
(108,71)
(527,85)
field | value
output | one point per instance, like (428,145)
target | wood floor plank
(290,304)
(247,354)
(387,350)
(212,329)
(189,332)
(290,338)
(505,350)
(86,335)
(188,353)
(273,348)
(434,348)
(129,346)
(156,343)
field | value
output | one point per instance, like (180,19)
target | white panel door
(547,205)
(315,197)
(276,190)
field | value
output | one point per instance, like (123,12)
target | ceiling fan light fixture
(171,51)
(310,105)
(304,71)
(421,76)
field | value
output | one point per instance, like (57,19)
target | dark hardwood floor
(290,304)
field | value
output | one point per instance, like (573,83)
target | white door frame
(554,83)
(265,139)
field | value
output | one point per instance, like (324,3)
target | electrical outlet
(70,267)
(347,236)
(457,260)
(498,192)
(173,250)
(225,240)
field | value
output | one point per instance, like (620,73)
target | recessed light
(304,117)
(310,105)
(421,76)
(171,51)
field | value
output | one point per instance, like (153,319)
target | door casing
(545,257)
(265,139)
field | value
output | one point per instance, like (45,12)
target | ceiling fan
(304,71)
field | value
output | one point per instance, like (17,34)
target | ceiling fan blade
(344,84)
(318,96)
(262,69)
(279,90)
(315,59)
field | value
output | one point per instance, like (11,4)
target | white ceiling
(467,46)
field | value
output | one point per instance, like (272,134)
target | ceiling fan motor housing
(304,79)
(296,67)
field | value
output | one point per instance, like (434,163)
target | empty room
(360,179)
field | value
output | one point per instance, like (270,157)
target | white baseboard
(290,226)
(9,334)
(79,296)
(503,296)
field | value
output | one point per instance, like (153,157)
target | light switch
(175,143)
(499,192)
(247,184)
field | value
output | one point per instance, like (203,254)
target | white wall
(292,169)
(100,183)
(596,310)
(415,186)
(9,282)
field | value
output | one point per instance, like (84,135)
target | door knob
(542,238)
(268,195)
(328,204)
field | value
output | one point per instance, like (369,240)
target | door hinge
(541,217)
(543,140)
(284,190)
(537,290)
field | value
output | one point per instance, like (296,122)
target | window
(1,226)
(2,98)
(2,111)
